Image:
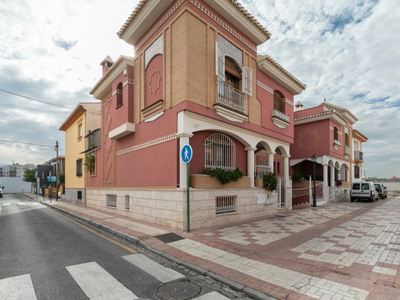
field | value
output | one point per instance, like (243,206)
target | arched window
(220,152)
(119,94)
(335,134)
(279,101)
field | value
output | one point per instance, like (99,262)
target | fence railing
(231,97)
(260,170)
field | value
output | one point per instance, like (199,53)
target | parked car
(1,191)
(363,191)
(381,189)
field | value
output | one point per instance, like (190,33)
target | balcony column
(271,160)
(325,174)
(333,176)
(183,140)
(250,164)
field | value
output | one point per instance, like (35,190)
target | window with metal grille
(79,167)
(220,152)
(356,172)
(79,196)
(225,204)
(279,101)
(119,94)
(111,200)
(126,201)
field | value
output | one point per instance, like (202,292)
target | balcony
(233,101)
(280,119)
(336,144)
(347,151)
(358,156)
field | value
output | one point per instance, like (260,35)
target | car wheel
(351,199)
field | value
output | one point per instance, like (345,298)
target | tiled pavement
(341,250)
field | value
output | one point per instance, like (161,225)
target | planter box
(203,181)
(258,182)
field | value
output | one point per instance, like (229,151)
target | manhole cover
(280,216)
(169,237)
(178,290)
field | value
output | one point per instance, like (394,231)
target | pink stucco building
(194,78)
(327,131)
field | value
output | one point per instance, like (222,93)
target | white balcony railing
(336,142)
(280,115)
(260,170)
(347,150)
(231,97)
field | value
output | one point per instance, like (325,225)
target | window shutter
(220,62)
(247,81)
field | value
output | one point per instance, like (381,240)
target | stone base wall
(169,207)
(71,196)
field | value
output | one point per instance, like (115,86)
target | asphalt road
(45,255)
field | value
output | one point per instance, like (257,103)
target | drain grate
(169,237)
(178,290)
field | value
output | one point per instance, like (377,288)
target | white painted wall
(14,185)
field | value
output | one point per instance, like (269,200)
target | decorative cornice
(160,140)
(265,87)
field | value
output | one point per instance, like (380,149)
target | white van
(363,191)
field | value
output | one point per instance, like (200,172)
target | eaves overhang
(325,115)
(270,67)
(141,19)
(104,84)
(147,11)
(359,136)
(73,116)
(239,17)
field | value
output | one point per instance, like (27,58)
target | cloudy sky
(346,51)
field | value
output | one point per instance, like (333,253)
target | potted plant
(270,181)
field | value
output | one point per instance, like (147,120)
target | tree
(61,178)
(29,175)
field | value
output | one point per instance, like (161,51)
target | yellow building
(84,119)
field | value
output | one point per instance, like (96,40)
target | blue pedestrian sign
(186,154)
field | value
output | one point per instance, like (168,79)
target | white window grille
(225,204)
(220,152)
(111,200)
(126,201)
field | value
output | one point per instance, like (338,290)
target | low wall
(168,207)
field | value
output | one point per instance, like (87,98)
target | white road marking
(160,272)
(98,284)
(6,204)
(18,287)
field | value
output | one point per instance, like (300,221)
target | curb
(135,240)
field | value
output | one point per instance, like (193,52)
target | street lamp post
(314,160)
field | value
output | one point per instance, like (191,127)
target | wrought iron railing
(231,97)
(260,170)
(278,114)
(225,204)
(347,150)
(358,155)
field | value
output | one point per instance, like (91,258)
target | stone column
(250,164)
(332,176)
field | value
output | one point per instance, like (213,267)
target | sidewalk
(341,250)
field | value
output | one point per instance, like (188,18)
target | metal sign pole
(187,197)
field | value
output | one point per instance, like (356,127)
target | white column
(332,176)
(183,140)
(325,174)
(286,168)
(348,175)
(326,189)
(250,164)
(271,161)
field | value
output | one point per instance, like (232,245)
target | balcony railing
(347,150)
(231,97)
(260,170)
(358,155)
(280,115)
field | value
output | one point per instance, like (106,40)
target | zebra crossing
(20,204)
(97,283)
